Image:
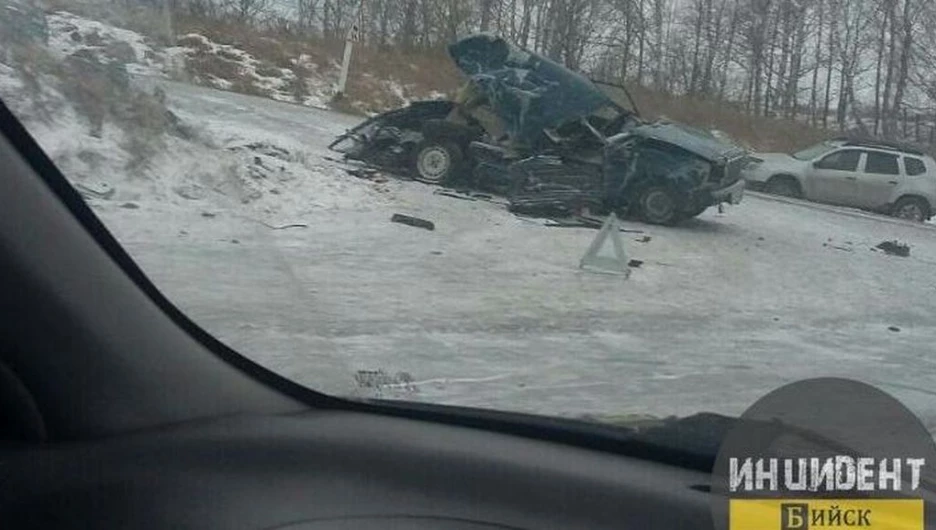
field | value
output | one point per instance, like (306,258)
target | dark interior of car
(118,411)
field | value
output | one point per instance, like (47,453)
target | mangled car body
(547,137)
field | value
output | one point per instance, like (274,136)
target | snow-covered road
(491,310)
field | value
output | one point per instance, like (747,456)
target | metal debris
(412,221)
(894,248)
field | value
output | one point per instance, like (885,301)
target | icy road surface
(490,310)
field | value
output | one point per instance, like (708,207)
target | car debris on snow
(412,221)
(580,221)
(366,173)
(894,248)
(467,194)
(284,227)
(446,193)
(566,222)
(277,227)
(379,379)
(839,247)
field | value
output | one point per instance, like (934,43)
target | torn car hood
(696,141)
(529,92)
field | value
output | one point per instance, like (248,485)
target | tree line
(865,66)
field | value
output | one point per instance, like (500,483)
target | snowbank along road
(490,310)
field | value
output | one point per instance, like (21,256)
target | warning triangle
(596,259)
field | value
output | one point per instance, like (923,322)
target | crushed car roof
(529,92)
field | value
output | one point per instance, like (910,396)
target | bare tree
(862,62)
(907,26)
(306,12)
(813,92)
(337,15)
(247,11)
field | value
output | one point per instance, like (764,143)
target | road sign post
(354,35)
(345,65)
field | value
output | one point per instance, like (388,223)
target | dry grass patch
(379,79)
(382,78)
(756,132)
(203,64)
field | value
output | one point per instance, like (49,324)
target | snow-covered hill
(94,97)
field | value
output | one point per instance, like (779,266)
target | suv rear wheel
(911,209)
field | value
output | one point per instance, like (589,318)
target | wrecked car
(550,139)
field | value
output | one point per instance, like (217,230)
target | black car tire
(659,206)
(437,161)
(912,209)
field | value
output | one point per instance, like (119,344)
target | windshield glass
(811,153)
(319,185)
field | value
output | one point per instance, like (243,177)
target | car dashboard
(340,470)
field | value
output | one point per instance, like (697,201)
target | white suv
(876,176)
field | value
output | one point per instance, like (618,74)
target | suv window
(914,166)
(882,164)
(846,160)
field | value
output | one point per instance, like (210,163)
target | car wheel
(911,209)
(437,162)
(658,206)
(783,185)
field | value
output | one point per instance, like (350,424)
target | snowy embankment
(270,175)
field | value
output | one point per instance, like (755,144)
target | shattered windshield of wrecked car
(594,217)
